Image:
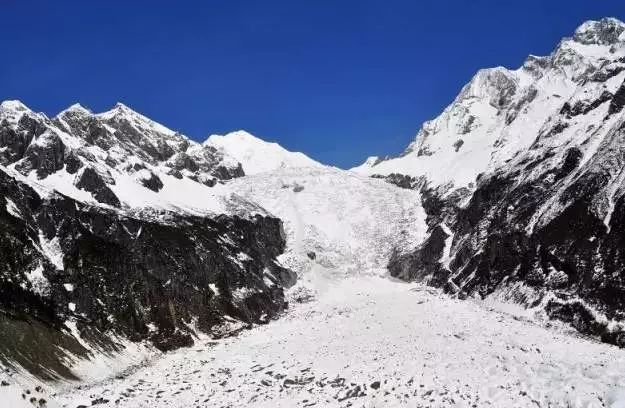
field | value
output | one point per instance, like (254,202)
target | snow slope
(256,155)
(13,396)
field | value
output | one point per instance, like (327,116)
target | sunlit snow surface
(474,135)
(256,155)
(353,336)
(424,348)
(350,223)
(349,326)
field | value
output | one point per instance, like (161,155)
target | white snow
(177,195)
(446,257)
(256,155)
(242,293)
(474,135)
(616,398)
(352,223)
(52,250)
(425,349)
(12,208)
(11,397)
(242,256)
(39,282)
(214,288)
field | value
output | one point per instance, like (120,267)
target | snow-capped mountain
(132,231)
(522,179)
(116,229)
(123,159)
(256,155)
(499,113)
(120,237)
(117,158)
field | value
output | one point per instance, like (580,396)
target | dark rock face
(72,163)
(583,107)
(46,155)
(17,140)
(128,141)
(141,279)
(546,228)
(549,233)
(618,101)
(153,183)
(225,173)
(400,180)
(419,265)
(93,182)
(183,162)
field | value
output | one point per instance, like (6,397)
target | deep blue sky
(338,80)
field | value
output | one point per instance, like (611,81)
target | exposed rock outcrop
(138,278)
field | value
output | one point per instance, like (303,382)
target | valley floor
(373,342)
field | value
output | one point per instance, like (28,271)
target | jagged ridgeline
(523,181)
(126,261)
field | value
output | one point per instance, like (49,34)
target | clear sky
(338,80)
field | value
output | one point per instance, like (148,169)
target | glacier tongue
(346,223)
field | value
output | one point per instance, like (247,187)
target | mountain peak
(121,106)
(493,112)
(13,111)
(490,83)
(243,136)
(76,108)
(118,109)
(121,111)
(606,31)
(257,155)
(14,105)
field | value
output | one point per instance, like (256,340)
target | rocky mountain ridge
(522,180)
(114,230)
(125,160)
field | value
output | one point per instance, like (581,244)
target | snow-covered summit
(122,158)
(257,155)
(75,108)
(12,112)
(121,112)
(497,112)
(118,158)
(13,105)
(523,180)
(606,31)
